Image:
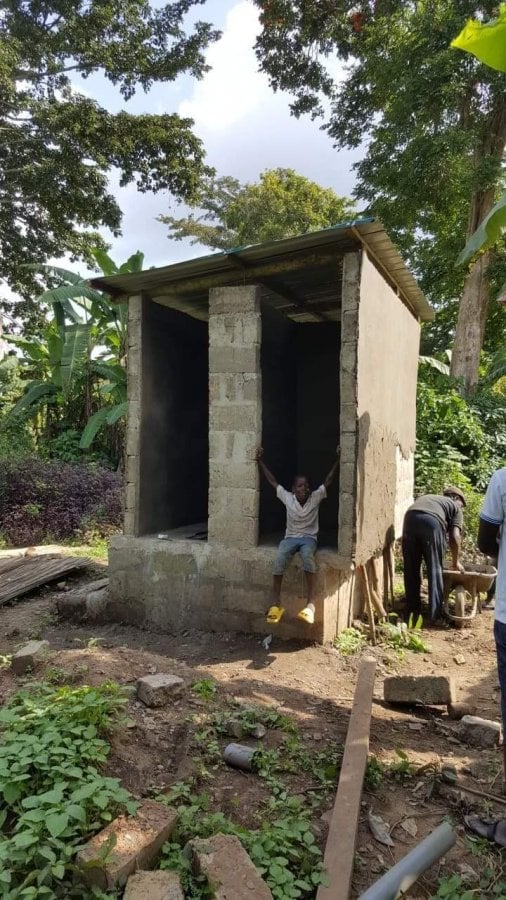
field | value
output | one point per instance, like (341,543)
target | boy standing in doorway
(302,505)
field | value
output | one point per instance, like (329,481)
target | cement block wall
(235,415)
(174,585)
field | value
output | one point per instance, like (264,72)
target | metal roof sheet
(298,274)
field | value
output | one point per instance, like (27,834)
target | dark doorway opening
(300,414)
(174,470)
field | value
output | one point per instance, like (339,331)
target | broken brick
(154,886)
(228,869)
(26,659)
(159,689)
(127,844)
(480,732)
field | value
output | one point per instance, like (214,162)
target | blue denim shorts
(288,547)
(500,646)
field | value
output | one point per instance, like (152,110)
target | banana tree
(77,300)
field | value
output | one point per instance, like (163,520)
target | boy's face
(301,489)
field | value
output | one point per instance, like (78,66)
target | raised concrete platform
(176,584)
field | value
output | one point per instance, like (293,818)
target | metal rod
(397,880)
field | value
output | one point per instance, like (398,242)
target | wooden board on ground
(22,574)
(340,849)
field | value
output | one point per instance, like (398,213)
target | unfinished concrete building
(296,345)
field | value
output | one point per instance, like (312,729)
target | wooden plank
(340,848)
(34,572)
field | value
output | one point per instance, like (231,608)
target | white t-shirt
(494,511)
(301,521)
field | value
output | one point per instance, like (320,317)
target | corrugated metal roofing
(298,274)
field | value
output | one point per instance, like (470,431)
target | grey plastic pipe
(397,880)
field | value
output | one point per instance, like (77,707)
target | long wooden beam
(340,848)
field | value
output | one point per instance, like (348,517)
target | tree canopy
(434,120)
(280,204)
(58,146)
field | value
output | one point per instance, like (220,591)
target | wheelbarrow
(466,588)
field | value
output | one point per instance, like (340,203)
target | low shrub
(49,500)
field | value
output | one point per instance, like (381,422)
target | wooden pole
(340,849)
(370,612)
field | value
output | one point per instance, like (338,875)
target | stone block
(226,300)
(161,885)
(432,690)
(159,689)
(26,659)
(228,869)
(480,732)
(135,843)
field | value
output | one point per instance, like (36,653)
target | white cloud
(234,88)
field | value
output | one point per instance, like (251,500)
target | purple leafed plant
(49,500)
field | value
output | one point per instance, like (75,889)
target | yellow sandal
(306,615)
(275,615)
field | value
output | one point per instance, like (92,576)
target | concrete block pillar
(235,415)
(133,432)
(349,405)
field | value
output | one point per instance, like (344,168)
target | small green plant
(350,641)
(5,660)
(402,768)
(205,688)
(55,675)
(374,773)
(451,888)
(402,636)
(53,796)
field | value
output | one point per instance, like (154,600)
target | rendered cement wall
(387,363)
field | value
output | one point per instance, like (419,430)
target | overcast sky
(245,127)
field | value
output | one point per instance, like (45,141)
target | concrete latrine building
(295,345)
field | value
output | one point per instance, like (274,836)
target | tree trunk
(473,305)
(471,325)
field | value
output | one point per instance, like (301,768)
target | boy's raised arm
(267,472)
(330,477)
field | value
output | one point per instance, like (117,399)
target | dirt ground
(314,686)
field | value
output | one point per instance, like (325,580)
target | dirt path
(312,685)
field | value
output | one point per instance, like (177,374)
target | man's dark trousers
(424,537)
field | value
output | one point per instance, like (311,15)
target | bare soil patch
(311,685)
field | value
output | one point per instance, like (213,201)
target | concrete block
(435,690)
(159,689)
(129,522)
(138,840)
(161,885)
(480,732)
(349,325)
(240,475)
(228,868)
(346,510)
(348,388)
(26,659)
(348,360)
(237,299)
(351,282)
(251,387)
(235,417)
(347,475)
(348,444)
(131,495)
(239,533)
(234,360)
